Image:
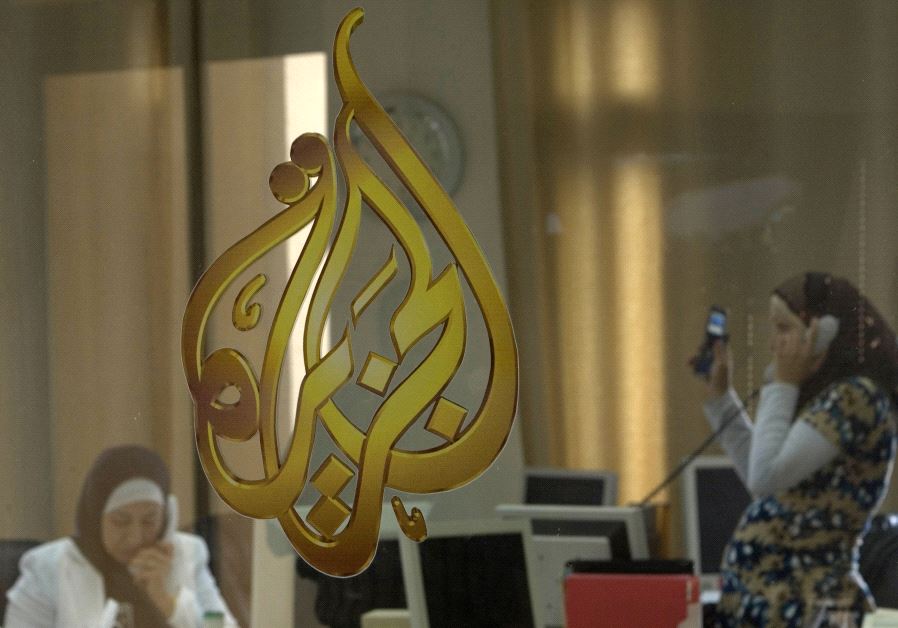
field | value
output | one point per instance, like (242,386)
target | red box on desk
(593,600)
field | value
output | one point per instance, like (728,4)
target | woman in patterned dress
(817,458)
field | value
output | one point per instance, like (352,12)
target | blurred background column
(25,451)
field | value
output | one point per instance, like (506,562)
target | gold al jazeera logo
(336,537)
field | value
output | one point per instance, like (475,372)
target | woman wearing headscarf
(126,565)
(817,458)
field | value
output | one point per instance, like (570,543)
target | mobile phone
(827,330)
(715,329)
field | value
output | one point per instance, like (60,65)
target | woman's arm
(774,453)
(724,405)
(210,598)
(29,602)
(735,439)
(202,596)
(783,453)
(21,613)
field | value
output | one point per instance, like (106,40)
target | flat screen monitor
(623,526)
(563,486)
(471,573)
(714,499)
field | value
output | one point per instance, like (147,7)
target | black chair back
(11,551)
(879,560)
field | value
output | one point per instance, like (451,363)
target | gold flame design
(337,538)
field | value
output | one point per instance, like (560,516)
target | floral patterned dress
(799,546)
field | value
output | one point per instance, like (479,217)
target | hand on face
(792,344)
(130,535)
(150,568)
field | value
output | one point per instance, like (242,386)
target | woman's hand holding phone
(150,569)
(721,366)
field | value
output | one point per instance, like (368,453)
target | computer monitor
(623,526)
(471,572)
(564,486)
(714,499)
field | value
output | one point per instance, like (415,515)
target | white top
(58,586)
(774,453)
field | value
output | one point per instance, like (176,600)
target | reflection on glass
(656,158)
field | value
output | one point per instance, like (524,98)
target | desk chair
(879,560)
(11,551)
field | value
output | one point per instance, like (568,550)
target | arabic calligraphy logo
(339,538)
